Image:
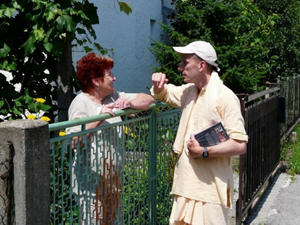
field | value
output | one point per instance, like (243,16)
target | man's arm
(168,93)
(227,148)
(139,101)
(142,101)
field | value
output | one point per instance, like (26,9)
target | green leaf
(4,51)
(65,22)
(3,111)
(16,111)
(27,97)
(44,107)
(16,5)
(48,46)
(87,49)
(272,22)
(125,7)
(39,34)
(99,47)
(33,107)
(80,31)
(90,10)
(29,45)
(18,103)
(50,15)
(1,103)
(8,12)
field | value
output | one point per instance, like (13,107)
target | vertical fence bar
(152,167)
(239,203)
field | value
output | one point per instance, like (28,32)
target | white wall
(130,37)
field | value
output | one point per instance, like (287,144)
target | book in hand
(212,135)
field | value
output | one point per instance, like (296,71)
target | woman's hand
(108,109)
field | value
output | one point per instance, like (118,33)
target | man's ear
(201,65)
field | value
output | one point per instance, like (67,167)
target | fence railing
(263,149)
(117,173)
(290,90)
(269,116)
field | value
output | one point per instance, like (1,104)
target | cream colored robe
(207,180)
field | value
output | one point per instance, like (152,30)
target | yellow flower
(45,118)
(31,117)
(40,100)
(129,132)
(126,130)
(132,135)
(62,133)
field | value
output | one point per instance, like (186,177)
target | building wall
(130,37)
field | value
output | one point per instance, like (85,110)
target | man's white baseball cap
(202,49)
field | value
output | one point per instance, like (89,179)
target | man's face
(190,68)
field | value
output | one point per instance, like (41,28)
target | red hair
(91,66)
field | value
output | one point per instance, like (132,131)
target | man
(203,183)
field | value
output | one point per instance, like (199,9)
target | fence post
(239,203)
(24,148)
(152,168)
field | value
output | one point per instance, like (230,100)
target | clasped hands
(194,148)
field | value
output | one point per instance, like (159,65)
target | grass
(290,153)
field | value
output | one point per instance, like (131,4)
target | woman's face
(106,84)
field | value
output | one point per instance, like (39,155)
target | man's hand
(158,80)
(195,150)
(122,103)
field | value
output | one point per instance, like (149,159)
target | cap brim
(183,50)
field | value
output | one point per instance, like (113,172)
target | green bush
(250,46)
(135,191)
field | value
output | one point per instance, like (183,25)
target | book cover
(212,135)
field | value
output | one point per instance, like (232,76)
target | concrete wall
(130,36)
(24,173)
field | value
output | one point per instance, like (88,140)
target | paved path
(280,204)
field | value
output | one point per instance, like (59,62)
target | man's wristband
(205,153)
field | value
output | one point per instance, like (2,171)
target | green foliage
(291,153)
(34,35)
(284,43)
(33,38)
(135,191)
(64,208)
(24,105)
(135,188)
(244,34)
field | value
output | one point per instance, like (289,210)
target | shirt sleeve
(171,94)
(232,117)
(76,111)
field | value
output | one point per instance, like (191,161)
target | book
(212,135)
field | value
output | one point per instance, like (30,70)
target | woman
(98,156)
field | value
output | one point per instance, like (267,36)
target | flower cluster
(129,132)
(39,114)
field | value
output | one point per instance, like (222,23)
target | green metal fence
(117,173)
